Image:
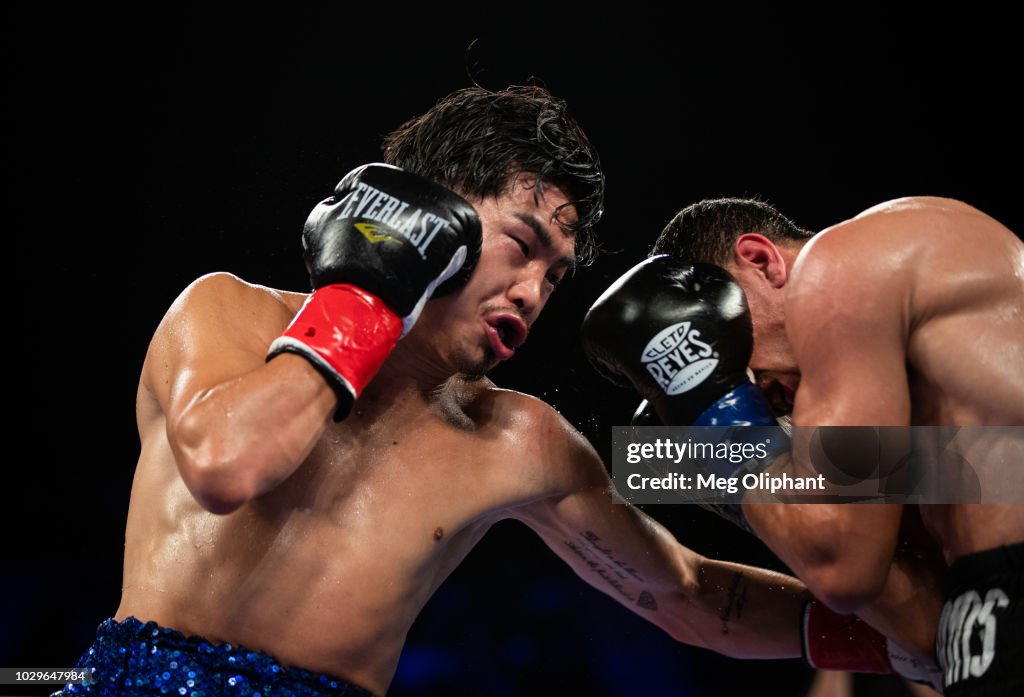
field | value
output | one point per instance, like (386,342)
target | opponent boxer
(314,466)
(855,326)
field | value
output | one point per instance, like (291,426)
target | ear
(756,252)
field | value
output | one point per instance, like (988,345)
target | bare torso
(257,521)
(964,280)
(328,570)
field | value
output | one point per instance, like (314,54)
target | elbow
(846,589)
(685,621)
(692,605)
(210,471)
(214,496)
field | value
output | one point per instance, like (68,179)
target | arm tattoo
(737,598)
(603,563)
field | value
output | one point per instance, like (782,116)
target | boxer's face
(763,274)
(772,361)
(525,254)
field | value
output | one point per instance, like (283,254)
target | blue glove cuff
(744,406)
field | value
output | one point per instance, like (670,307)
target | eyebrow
(545,238)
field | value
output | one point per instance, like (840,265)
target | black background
(199,141)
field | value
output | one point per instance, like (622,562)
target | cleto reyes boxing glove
(376,250)
(681,335)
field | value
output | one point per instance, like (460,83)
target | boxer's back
(965,356)
(328,570)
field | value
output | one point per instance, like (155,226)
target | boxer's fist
(376,250)
(832,641)
(681,335)
(393,234)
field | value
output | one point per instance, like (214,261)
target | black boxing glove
(376,250)
(681,336)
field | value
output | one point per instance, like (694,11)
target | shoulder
(223,289)
(878,251)
(220,311)
(519,414)
(224,302)
(916,205)
(892,233)
(903,250)
(870,240)
(544,447)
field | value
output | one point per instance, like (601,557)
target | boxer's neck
(405,382)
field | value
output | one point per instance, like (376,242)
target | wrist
(832,641)
(346,334)
(744,405)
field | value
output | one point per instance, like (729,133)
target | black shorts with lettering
(981,634)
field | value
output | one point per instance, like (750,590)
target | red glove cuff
(346,333)
(842,642)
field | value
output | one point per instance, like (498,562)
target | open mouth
(778,394)
(781,398)
(507,333)
(504,332)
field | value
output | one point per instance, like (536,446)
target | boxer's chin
(475,370)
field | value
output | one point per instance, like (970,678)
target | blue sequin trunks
(135,659)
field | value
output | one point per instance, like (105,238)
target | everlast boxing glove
(376,250)
(681,336)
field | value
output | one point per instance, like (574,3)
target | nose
(527,293)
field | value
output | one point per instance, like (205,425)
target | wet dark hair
(706,231)
(477,142)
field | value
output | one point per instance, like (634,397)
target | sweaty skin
(911,313)
(257,520)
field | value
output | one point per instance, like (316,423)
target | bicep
(848,330)
(853,373)
(614,547)
(611,545)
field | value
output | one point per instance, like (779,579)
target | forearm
(908,609)
(843,565)
(842,551)
(746,612)
(241,438)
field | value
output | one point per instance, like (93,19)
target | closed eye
(523,247)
